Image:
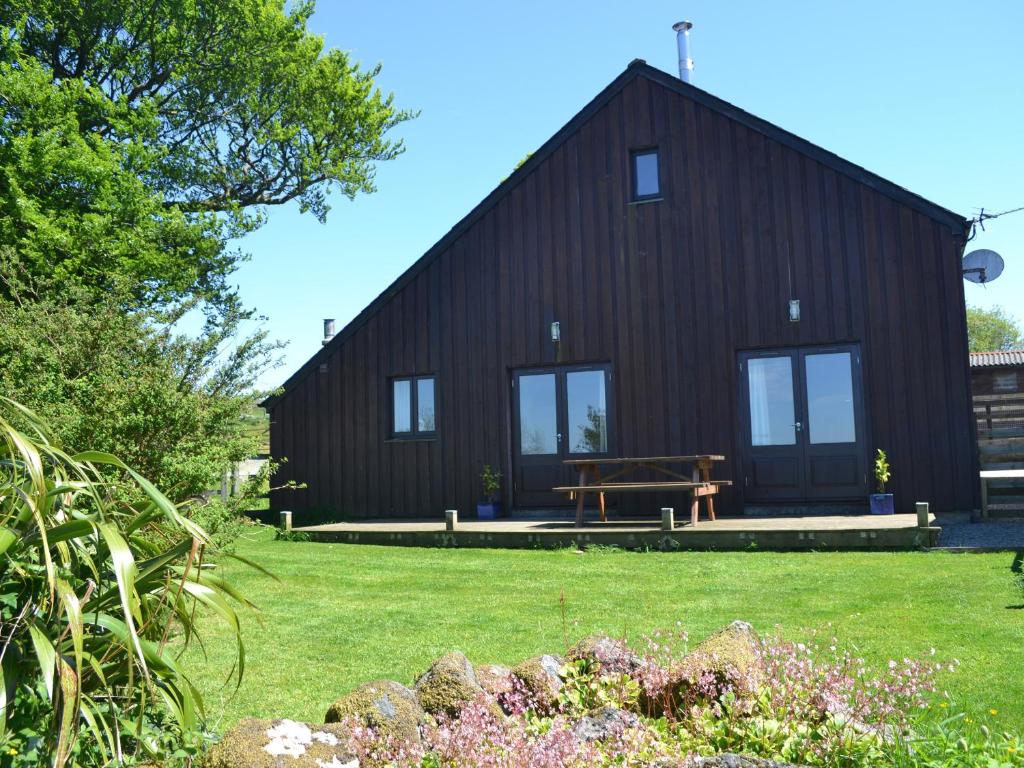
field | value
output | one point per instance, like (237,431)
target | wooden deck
(782,533)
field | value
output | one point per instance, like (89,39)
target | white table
(995,474)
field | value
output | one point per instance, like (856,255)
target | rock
(282,744)
(670,762)
(388,707)
(541,680)
(884,733)
(732,654)
(729,659)
(504,692)
(495,679)
(448,685)
(604,723)
(605,655)
(729,760)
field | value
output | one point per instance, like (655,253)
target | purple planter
(489,511)
(881,504)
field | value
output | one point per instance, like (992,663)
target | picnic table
(698,483)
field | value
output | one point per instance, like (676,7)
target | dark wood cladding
(668,292)
(1001,380)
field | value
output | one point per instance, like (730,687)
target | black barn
(668,274)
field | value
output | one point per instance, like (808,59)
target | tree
(991,330)
(137,138)
(170,405)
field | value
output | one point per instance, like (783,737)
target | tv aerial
(982,266)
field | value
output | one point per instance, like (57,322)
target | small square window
(646,181)
(413,409)
(1004,381)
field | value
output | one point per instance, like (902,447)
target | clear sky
(927,93)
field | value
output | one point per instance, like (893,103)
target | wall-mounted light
(556,331)
(794,310)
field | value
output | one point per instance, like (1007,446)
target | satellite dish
(982,266)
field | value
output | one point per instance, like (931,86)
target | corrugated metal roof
(990,359)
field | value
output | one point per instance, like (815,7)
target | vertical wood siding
(668,292)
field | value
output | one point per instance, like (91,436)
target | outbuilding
(997,391)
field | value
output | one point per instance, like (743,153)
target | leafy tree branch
(139,136)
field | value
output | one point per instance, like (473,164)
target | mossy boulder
(732,654)
(542,681)
(729,660)
(605,655)
(448,686)
(388,707)
(282,744)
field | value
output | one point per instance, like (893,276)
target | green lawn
(345,614)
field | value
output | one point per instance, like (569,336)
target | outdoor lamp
(794,310)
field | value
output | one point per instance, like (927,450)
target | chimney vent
(682,29)
(328,330)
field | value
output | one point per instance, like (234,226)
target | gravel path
(998,534)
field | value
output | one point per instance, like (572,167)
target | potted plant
(881,502)
(490,508)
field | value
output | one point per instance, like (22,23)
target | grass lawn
(346,614)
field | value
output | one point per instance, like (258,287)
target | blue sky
(929,94)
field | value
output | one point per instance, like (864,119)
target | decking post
(286,520)
(922,514)
(668,518)
(451,519)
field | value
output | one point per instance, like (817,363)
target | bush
(300,536)
(222,522)
(90,588)
(173,407)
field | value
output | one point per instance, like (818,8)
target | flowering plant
(585,689)
(812,703)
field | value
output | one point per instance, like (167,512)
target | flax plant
(97,567)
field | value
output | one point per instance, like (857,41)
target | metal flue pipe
(682,29)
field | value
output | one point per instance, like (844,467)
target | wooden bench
(699,486)
(995,474)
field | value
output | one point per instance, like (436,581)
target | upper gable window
(646,179)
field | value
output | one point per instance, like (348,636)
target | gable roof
(637,68)
(997,359)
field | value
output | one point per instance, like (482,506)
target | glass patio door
(558,413)
(803,424)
